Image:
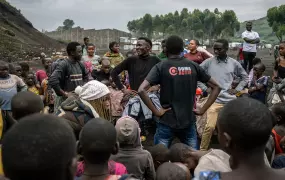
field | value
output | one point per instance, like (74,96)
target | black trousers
(248,57)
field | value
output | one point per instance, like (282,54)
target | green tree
(147,25)
(68,24)
(216,11)
(132,26)
(60,28)
(231,24)
(275,18)
(197,24)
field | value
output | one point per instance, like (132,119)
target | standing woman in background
(114,54)
(194,54)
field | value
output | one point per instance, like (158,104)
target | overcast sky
(98,14)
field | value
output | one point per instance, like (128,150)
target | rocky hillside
(19,40)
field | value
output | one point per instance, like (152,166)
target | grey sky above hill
(99,14)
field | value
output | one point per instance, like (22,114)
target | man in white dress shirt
(251,38)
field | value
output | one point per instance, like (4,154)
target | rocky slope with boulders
(19,40)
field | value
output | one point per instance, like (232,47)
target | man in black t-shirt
(178,82)
(137,66)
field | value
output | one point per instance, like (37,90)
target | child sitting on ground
(138,161)
(258,85)
(97,141)
(159,154)
(278,111)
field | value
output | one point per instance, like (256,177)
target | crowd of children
(88,139)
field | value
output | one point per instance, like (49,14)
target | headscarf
(128,132)
(95,94)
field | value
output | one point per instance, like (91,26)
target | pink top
(41,75)
(89,68)
(114,168)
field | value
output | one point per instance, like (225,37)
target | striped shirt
(75,77)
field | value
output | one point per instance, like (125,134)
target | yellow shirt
(34,90)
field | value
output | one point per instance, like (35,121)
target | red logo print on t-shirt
(173,71)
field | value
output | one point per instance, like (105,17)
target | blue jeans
(165,135)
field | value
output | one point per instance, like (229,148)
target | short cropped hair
(178,152)
(26,103)
(262,66)
(174,45)
(196,42)
(224,42)
(71,47)
(279,110)
(170,171)
(38,147)
(146,40)
(159,153)
(97,140)
(248,122)
(90,44)
(112,44)
(256,60)
(25,66)
(85,38)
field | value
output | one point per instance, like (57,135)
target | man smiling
(137,66)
